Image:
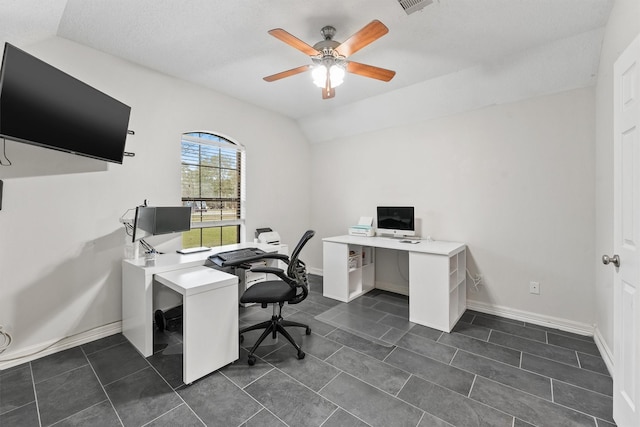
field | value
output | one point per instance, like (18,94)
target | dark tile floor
(366,364)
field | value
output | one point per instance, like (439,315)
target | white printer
(363,228)
(268,236)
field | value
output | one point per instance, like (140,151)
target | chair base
(274,326)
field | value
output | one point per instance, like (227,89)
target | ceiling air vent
(411,6)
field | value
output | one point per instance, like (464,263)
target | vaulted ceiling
(451,56)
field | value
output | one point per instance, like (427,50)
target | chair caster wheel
(300,354)
(251,360)
(308,331)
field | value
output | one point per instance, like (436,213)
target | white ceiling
(225,45)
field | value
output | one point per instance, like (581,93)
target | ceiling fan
(329,57)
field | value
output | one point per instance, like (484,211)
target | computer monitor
(143,222)
(154,220)
(397,221)
(172,219)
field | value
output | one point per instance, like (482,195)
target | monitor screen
(172,219)
(154,220)
(43,106)
(396,220)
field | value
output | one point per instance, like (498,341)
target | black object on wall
(1,185)
(43,106)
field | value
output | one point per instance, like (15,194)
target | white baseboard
(392,287)
(605,351)
(37,351)
(314,270)
(534,318)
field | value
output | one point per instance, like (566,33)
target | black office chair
(292,288)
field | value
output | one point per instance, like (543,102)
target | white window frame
(229,143)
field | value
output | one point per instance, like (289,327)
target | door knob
(615,260)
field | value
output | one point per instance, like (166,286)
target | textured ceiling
(225,45)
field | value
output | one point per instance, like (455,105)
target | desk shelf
(457,286)
(352,273)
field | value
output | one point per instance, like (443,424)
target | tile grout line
(580,411)
(472,384)
(326,358)
(82,410)
(578,358)
(102,386)
(454,356)
(533,354)
(330,415)
(373,386)
(404,384)
(242,389)
(35,394)
(521,357)
(175,391)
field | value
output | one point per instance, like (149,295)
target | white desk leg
(210,332)
(137,308)
(335,259)
(429,290)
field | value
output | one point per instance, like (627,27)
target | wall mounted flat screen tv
(44,106)
(398,221)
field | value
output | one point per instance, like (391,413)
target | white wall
(622,28)
(61,240)
(514,181)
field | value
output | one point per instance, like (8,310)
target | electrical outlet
(534,288)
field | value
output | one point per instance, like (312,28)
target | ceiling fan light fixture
(319,75)
(336,75)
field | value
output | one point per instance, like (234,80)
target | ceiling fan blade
(368,34)
(293,41)
(370,71)
(288,73)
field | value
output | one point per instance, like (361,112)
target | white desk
(437,273)
(137,290)
(209,341)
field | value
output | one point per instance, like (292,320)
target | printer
(268,236)
(363,227)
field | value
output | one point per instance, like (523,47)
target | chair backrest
(297,270)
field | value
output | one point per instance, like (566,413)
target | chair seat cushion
(268,292)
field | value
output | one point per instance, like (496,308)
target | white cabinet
(437,272)
(209,341)
(351,270)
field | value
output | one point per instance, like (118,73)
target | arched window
(212,184)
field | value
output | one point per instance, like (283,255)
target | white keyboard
(193,250)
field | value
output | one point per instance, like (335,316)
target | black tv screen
(44,106)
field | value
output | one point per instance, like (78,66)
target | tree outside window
(212,175)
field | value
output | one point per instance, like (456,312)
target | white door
(626,301)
